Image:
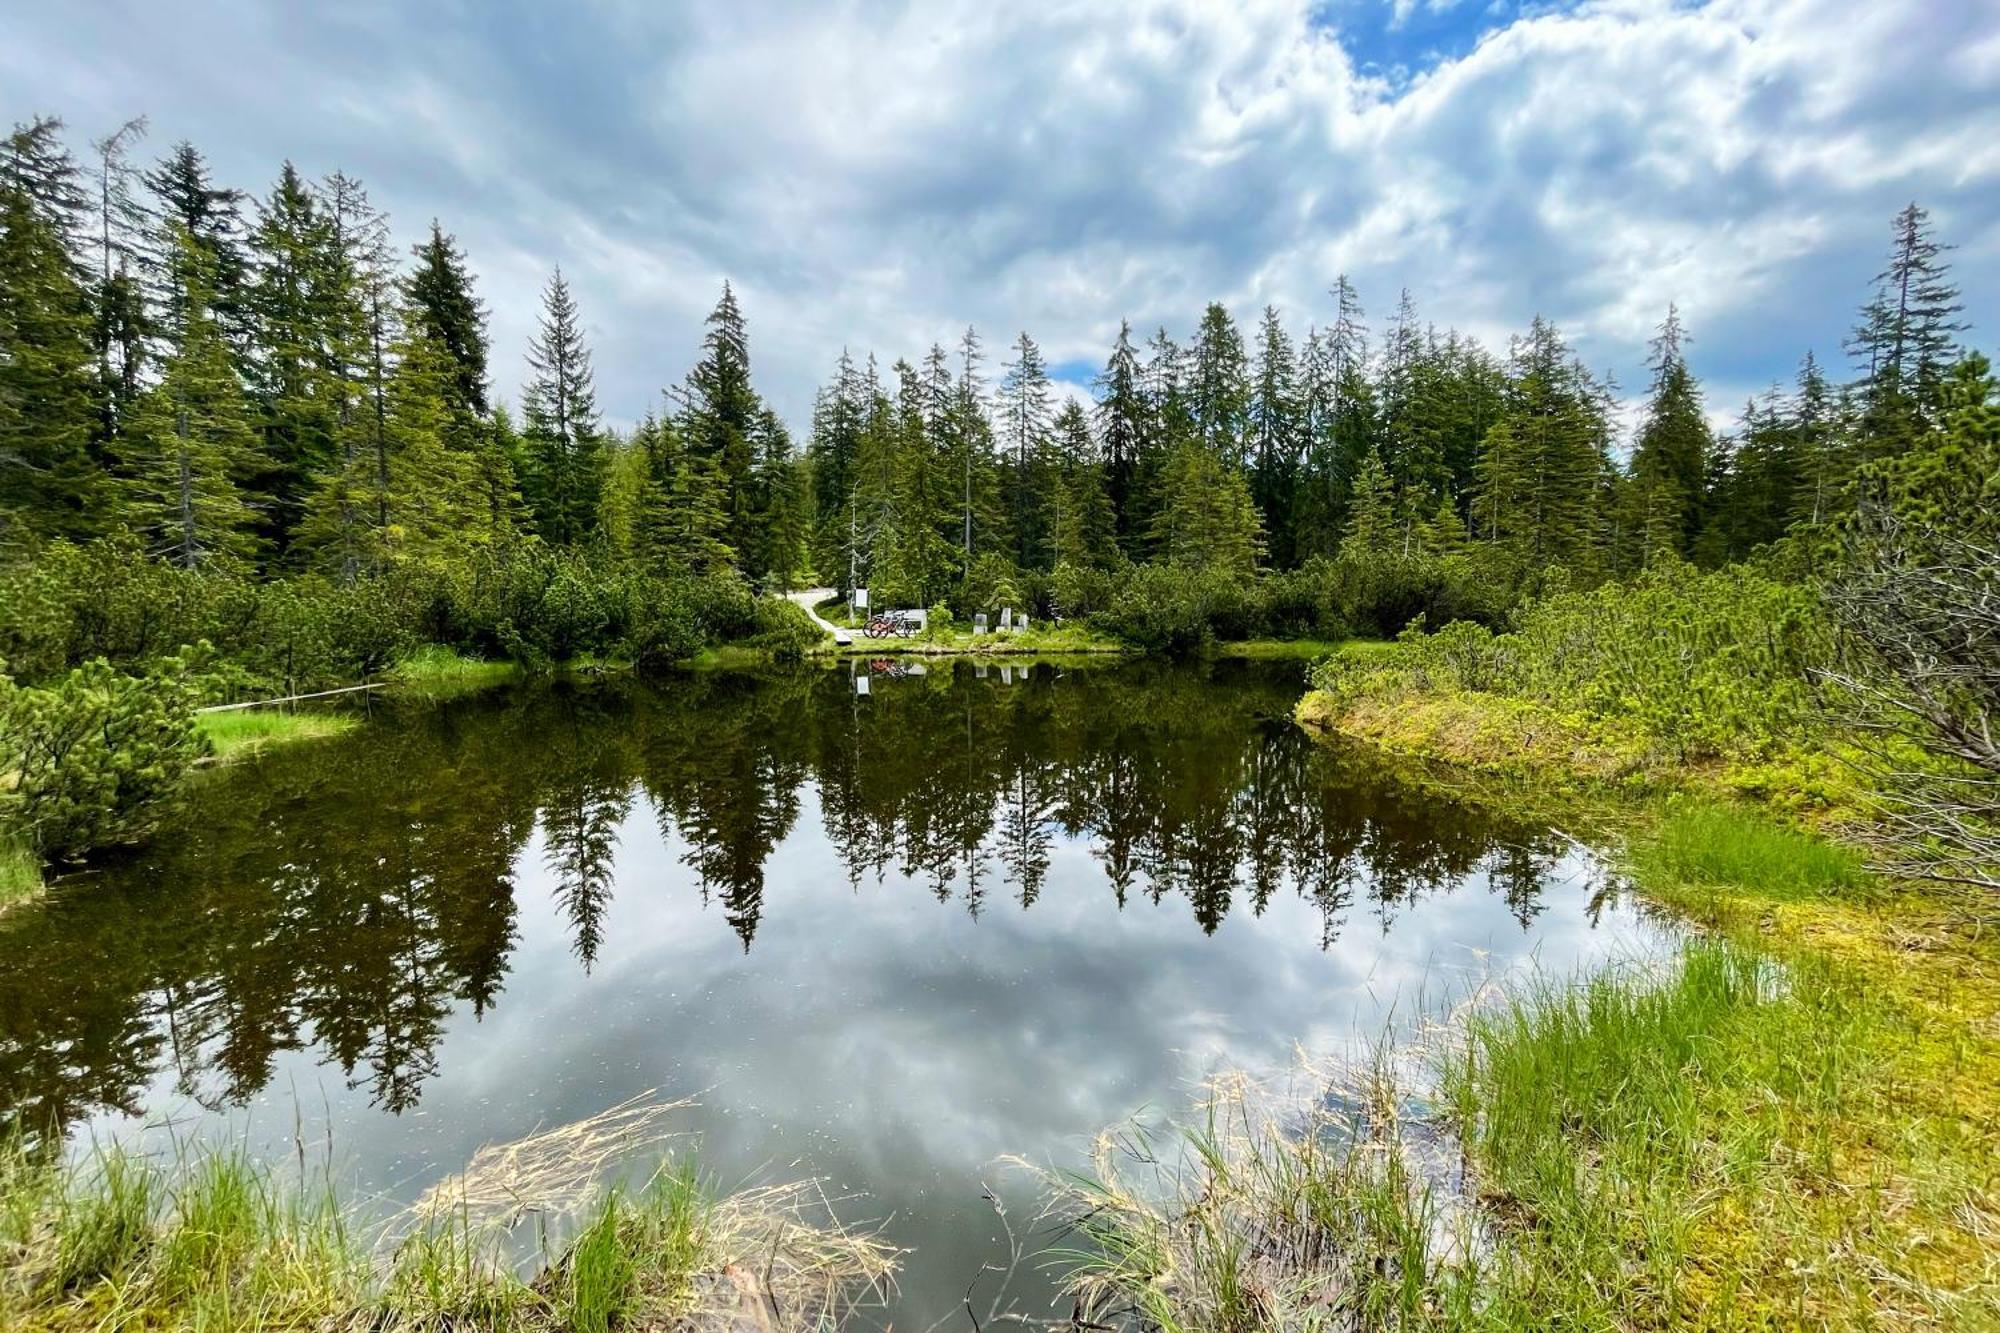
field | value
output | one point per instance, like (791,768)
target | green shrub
(91,755)
(784,629)
(1704,664)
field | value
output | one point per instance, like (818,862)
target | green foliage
(529,602)
(564,450)
(784,629)
(89,756)
(20,871)
(1704,664)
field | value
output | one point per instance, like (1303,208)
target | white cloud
(880,178)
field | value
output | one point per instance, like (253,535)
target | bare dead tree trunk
(1920,611)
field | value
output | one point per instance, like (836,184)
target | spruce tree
(1025,425)
(1084,530)
(787,502)
(1671,459)
(294,376)
(918,561)
(1206,519)
(352,289)
(1337,410)
(1371,511)
(187,204)
(193,443)
(1276,436)
(1544,465)
(1219,385)
(440,292)
(722,413)
(839,410)
(118,300)
(680,521)
(51,484)
(561,447)
(1122,427)
(1821,448)
(1904,342)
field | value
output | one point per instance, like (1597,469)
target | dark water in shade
(886,938)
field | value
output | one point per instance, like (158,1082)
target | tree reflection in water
(352,894)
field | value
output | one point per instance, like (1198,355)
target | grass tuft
(20,873)
(442,672)
(245,731)
(1715,845)
(212,1240)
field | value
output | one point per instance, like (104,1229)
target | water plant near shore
(1765,1132)
(211,1239)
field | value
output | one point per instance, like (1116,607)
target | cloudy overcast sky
(879,175)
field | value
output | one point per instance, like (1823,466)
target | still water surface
(885,937)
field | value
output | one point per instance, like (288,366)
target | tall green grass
(1712,1141)
(439,670)
(209,1239)
(1713,845)
(242,731)
(20,872)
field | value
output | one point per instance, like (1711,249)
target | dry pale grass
(555,1173)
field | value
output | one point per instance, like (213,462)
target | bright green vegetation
(243,731)
(1793,1124)
(435,669)
(1708,845)
(1281,649)
(86,759)
(212,1240)
(20,873)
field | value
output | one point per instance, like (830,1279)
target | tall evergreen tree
(1671,460)
(786,501)
(562,448)
(1338,409)
(1219,385)
(1903,344)
(681,521)
(1276,436)
(1084,530)
(193,444)
(441,296)
(1544,465)
(118,299)
(1026,417)
(51,485)
(1122,427)
(839,411)
(352,288)
(186,203)
(293,370)
(1206,519)
(721,417)
(1371,511)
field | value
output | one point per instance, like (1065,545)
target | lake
(886,924)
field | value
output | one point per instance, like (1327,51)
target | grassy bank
(212,1241)
(1283,650)
(244,731)
(443,671)
(20,873)
(1795,1124)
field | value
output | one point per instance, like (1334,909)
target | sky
(877,176)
